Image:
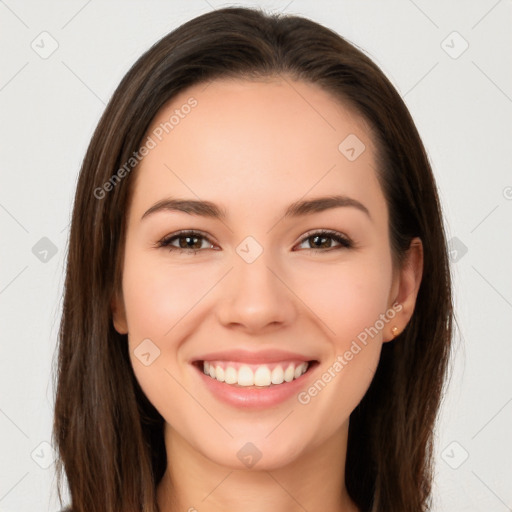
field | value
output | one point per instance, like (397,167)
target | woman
(257,310)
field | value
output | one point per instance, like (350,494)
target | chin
(253,453)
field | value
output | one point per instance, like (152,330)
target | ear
(406,283)
(119,313)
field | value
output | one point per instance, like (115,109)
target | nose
(255,297)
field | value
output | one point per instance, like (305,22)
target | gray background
(461,102)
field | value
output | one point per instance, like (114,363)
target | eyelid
(341,238)
(164,242)
(344,241)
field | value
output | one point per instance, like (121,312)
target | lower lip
(253,397)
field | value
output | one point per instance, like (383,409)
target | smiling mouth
(240,375)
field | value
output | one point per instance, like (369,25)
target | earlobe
(408,284)
(118,314)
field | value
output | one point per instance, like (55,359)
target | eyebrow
(296,209)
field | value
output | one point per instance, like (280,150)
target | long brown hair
(109,436)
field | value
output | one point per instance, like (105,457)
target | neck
(315,481)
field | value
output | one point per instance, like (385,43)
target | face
(263,289)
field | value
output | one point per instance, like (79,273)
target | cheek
(350,300)
(346,297)
(158,295)
(351,305)
(159,301)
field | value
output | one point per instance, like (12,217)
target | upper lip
(247,356)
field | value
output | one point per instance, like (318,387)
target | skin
(254,147)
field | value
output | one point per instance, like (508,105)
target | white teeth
(245,376)
(262,377)
(277,375)
(231,375)
(219,373)
(289,373)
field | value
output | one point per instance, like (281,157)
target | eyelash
(345,243)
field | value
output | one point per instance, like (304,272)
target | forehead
(251,142)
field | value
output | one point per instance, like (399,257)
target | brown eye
(323,240)
(188,241)
(191,241)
